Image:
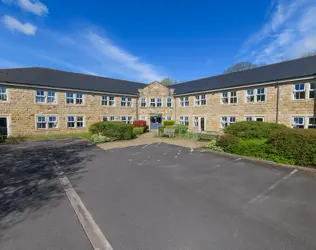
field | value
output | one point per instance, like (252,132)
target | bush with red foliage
(139,124)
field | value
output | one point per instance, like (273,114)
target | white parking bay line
(94,233)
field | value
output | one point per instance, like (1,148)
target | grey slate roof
(62,79)
(273,72)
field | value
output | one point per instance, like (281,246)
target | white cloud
(122,58)
(34,6)
(13,25)
(288,33)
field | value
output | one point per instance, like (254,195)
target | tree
(312,53)
(240,66)
(168,81)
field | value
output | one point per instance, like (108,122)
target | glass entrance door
(155,122)
(3,126)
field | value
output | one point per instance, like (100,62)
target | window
(168,117)
(107,100)
(143,102)
(229,97)
(200,100)
(51,97)
(75,122)
(159,102)
(41,122)
(40,96)
(74,98)
(69,98)
(52,122)
(298,122)
(227,120)
(261,96)
(169,102)
(196,121)
(143,118)
(312,90)
(312,122)
(299,91)
(3,94)
(127,119)
(255,118)
(184,120)
(250,97)
(184,101)
(108,118)
(126,102)
(152,102)
(79,98)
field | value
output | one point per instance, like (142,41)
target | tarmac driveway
(153,196)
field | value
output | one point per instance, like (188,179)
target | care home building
(37,101)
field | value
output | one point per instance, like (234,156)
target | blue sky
(145,40)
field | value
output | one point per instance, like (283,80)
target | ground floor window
(184,120)
(298,122)
(168,117)
(127,119)
(312,122)
(227,120)
(108,118)
(143,118)
(75,122)
(44,122)
(255,118)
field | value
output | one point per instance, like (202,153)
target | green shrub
(138,131)
(211,145)
(253,129)
(98,138)
(294,145)
(118,130)
(168,123)
(146,128)
(207,137)
(252,147)
(228,142)
(180,128)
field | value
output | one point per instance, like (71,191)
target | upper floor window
(169,102)
(143,102)
(312,122)
(44,122)
(200,100)
(127,119)
(3,94)
(108,118)
(184,101)
(312,90)
(74,98)
(126,101)
(298,122)
(107,100)
(299,91)
(184,120)
(156,102)
(229,97)
(152,102)
(159,102)
(45,96)
(255,95)
(227,120)
(75,122)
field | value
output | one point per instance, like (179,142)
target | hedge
(168,123)
(114,130)
(139,124)
(253,129)
(228,143)
(295,145)
(138,131)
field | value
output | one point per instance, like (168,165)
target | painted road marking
(94,233)
(261,197)
(146,145)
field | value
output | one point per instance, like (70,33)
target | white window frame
(254,118)
(227,120)
(184,120)
(75,121)
(168,102)
(295,91)
(260,94)
(77,98)
(228,97)
(3,94)
(143,102)
(200,100)
(153,102)
(184,101)
(159,102)
(168,118)
(309,125)
(47,122)
(126,102)
(108,101)
(51,97)
(127,119)
(143,118)
(296,124)
(41,97)
(256,94)
(312,90)
(109,118)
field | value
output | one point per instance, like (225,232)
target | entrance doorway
(199,123)
(155,121)
(4,126)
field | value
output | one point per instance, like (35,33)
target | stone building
(37,101)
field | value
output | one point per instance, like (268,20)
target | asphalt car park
(152,196)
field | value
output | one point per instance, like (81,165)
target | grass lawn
(85,135)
